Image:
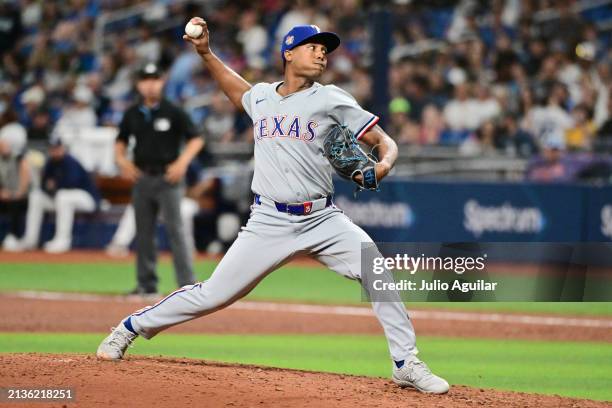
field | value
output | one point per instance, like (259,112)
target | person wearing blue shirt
(66,187)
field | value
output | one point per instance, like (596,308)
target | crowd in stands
(528,79)
(484,75)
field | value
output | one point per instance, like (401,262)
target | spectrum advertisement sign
(409,211)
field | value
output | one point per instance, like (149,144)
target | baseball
(193,30)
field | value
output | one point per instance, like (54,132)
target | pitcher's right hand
(201,43)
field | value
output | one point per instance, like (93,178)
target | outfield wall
(409,211)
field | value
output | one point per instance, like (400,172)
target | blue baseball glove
(348,159)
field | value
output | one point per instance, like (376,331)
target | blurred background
(502,109)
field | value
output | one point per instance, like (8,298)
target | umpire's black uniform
(159,133)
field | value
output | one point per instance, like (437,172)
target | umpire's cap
(149,70)
(302,34)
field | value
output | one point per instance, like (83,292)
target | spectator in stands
(550,121)
(438,92)
(180,74)
(398,108)
(580,135)
(79,116)
(513,140)
(550,166)
(40,127)
(14,176)
(416,91)
(217,223)
(120,69)
(10,26)
(219,124)
(12,132)
(481,142)
(253,37)
(198,89)
(504,58)
(148,47)
(568,27)
(66,188)
(494,25)
(464,21)
(56,77)
(500,44)
(486,107)
(460,115)
(432,125)
(302,12)
(534,54)
(31,13)
(100,102)
(40,53)
(32,100)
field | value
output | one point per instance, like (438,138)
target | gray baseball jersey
(288,133)
(289,167)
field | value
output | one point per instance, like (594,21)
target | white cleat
(57,247)
(114,346)
(415,373)
(10,243)
(16,245)
(117,250)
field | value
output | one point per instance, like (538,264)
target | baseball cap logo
(289,40)
(150,68)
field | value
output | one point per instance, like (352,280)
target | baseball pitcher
(293,211)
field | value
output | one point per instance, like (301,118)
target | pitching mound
(146,382)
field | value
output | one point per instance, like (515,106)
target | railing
(414,161)
(580,6)
(488,168)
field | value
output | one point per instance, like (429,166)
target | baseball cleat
(10,243)
(114,346)
(144,294)
(117,250)
(415,373)
(17,245)
(56,246)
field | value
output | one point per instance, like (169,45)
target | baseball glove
(348,159)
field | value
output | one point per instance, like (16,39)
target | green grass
(288,284)
(573,369)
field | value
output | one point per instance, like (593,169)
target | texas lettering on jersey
(284,126)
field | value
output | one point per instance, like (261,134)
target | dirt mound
(147,382)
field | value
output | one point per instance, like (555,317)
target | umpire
(159,129)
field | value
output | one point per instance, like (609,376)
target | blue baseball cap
(302,34)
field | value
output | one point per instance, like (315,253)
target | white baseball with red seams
(193,30)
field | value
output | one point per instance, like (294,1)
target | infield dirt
(97,316)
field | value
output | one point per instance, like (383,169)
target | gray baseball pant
(269,240)
(150,195)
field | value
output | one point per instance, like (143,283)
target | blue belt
(295,208)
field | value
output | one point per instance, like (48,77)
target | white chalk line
(344,310)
